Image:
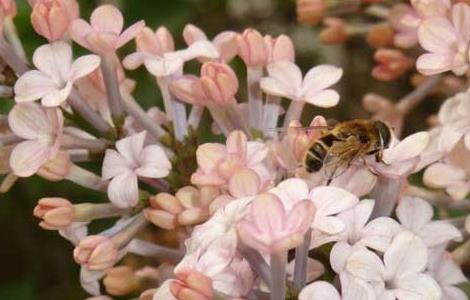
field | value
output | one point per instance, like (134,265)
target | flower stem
(9,139)
(436,198)
(109,69)
(145,248)
(12,36)
(294,112)
(84,110)
(256,262)
(135,110)
(301,258)
(175,110)
(271,115)
(410,101)
(386,193)
(159,184)
(10,57)
(220,117)
(87,212)
(195,116)
(74,142)
(129,232)
(255,96)
(235,116)
(278,275)
(86,178)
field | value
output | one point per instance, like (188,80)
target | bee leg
(368,167)
(379,158)
(329,181)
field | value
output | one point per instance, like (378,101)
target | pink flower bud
(191,285)
(51,18)
(310,12)
(334,32)
(380,36)
(193,216)
(188,196)
(120,281)
(219,82)
(8,8)
(392,64)
(163,211)
(96,252)
(56,213)
(252,48)
(244,183)
(56,169)
(207,195)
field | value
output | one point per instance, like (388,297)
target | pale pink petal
(291,191)
(361,214)
(366,265)
(326,98)
(412,146)
(107,18)
(29,120)
(130,33)
(461,19)
(414,213)
(33,85)
(189,89)
(123,190)
(210,155)
(28,156)
(78,30)
(353,288)
(83,66)
(378,234)
(339,255)
(134,60)
(453,293)
(114,164)
(131,147)
(236,144)
(163,66)
(319,290)
(256,153)
(285,74)
(329,225)
(434,63)
(153,163)
(449,137)
(270,213)
(332,200)
(458,191)
(436,35)
(407,254)
(58,96)
(226,43)
(441,175)
(439,233)
(419,286)
(320,78)
(244,183)
(300,217)
(192,33)
(54,59)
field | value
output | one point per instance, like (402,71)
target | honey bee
(338,147)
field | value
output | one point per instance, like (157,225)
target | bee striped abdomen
(315,156)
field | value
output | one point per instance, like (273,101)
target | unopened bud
(334,32)
(57,168)
(310,12)
(188,196)
(56,213)
(96,252)
(120,281)
(380,36)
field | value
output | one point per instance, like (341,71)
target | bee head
(385,132)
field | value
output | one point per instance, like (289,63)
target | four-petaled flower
(132,160)
(53,81)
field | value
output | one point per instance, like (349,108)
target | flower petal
(153,163)
(320,78)
(379,233)
(30,120)
(83,66)
(130,33)
(326,98)
(33,85)
(114,164)
(58,96)
(319,290)
(330,200)
(366,265)
(441,175)
(131,147)
(434,63)
(418,286)
(438,233)
(123,190)
(412,146)
(107,18)
(28,156)
(406,255)
(54,59)
(285,80)
(436,35)
(79,30)
(414,213)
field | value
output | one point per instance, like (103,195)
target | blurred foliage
(38,264)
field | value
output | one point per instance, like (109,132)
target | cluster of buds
(223,219)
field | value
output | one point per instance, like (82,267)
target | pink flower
(351,290)
(271,228)
(447,41)
(401,273)
(56,213)
(217,163)
(42,130)
(96,252)
(452,174)
(252,48)
(285,80)
(416,215)
(225,42)
(104,33)
(156,52)
(131,160)
(8,8)
(280,48)
(51,18)
(56,74)
(406,19)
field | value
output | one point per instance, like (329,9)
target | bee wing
(340,156)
